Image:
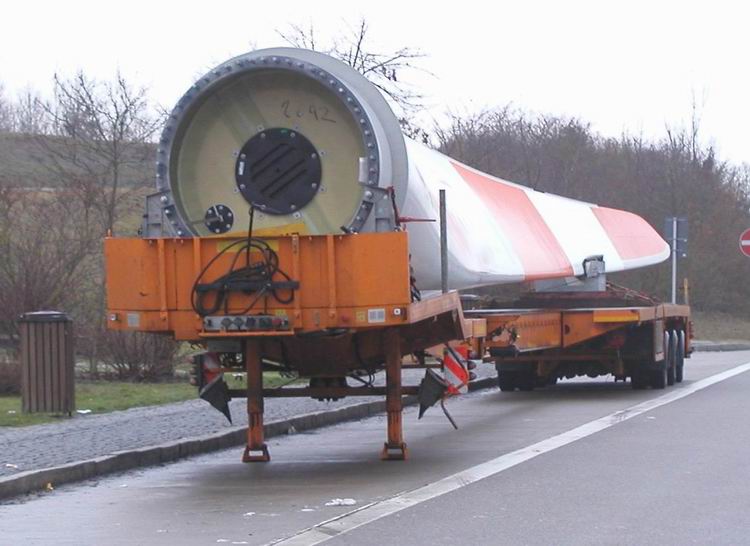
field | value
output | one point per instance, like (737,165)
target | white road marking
(376,510)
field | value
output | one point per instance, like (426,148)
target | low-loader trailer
(548,336)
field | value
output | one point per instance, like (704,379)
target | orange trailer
(332,307)
(547,336)
(325,307)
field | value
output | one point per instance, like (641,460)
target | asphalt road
(565,465)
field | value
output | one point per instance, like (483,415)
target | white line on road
(374,511)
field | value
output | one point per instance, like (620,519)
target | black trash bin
(47,364)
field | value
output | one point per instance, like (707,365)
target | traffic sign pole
(676,232)
(674,259)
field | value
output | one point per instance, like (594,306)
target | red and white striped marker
(454,372)
(745,242)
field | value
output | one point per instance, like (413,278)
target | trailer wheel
(506,381)
(671,360)
(526,381)
(680,356)
(638,380)
(659,376)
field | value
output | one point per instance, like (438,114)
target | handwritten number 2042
(320,114)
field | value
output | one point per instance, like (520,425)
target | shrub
(139,356)
(10,377)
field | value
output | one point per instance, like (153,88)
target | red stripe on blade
(632,236)
(537,247)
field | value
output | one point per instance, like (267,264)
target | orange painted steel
(346,281)
(395,447)
(356,284)
(580,326)
(256,449)
(581,340)
(534,329)
(525,330)
(360,285)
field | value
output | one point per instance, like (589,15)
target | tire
(680,356)
(634,372)
(506,381)
(671,360)
(659,377)
(638,381)
(526,381)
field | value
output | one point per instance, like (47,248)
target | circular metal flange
(383,154)
(278,171)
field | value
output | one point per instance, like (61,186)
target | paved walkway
(89,436)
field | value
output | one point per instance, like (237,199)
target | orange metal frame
(358,285)
(531,330)
(346,281)
(540,339)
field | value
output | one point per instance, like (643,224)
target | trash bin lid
(45,316)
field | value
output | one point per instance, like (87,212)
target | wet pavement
(673,475)
(88,436)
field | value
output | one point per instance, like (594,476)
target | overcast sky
(623,66)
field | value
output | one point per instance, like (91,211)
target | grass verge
(712,326)
(106,396)
(100,397)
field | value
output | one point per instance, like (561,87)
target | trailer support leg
(256,449)
(394,448)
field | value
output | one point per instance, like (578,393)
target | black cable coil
(254,277)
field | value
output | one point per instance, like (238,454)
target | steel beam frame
(395,447)
(256,449)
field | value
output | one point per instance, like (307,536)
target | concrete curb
(708,346)
(36,480)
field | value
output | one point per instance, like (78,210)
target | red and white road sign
(745,242)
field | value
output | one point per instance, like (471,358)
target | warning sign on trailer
(745,242)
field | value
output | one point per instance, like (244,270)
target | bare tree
(140,356)
(6,112)
(45,241)
(101,147)
(387,70)
(76,168)
(97,149)
(29,115)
